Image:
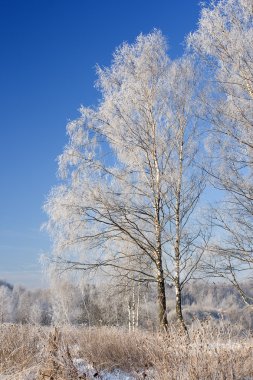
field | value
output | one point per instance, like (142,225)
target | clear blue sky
(49,49)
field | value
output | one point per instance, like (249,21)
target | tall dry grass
(215,352)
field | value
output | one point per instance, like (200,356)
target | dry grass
(211,352)
(21,347)
(215,353)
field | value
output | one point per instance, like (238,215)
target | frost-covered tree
(65,298)
(224,42)
(131,182)
(5,304)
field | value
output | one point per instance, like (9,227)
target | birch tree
(131,182)
(224,42)
(5,304)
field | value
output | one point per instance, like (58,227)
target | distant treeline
(131,307)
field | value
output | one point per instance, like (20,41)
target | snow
(83,368)
(90,371)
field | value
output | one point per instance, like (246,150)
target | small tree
(5,304)
(131,182)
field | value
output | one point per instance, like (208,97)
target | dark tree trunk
(179,307)
(162,312)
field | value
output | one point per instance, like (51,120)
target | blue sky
(49,49)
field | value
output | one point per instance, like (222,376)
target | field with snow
(29,352)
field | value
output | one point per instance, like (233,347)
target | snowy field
(29,352)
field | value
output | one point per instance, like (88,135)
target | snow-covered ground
(90,372)
(83,369)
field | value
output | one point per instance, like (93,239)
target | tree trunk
(178,238)
(138,305)
(179,305)
(177,284)
(133,308)
(162,312)
(161,294)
